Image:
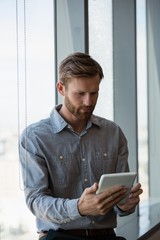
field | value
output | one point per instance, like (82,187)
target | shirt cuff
(122,213)
(72,209)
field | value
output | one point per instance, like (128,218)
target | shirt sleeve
(38,196)
(122,161)
(122,166)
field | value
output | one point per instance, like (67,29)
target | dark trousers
(55,235)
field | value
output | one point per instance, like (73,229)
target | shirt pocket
(65,168)
(102,162)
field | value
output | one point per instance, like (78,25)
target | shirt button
(83,159)
(61,157)
(93,222)
(105,154)
(85,179)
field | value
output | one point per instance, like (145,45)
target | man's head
(78,65)
(79,79)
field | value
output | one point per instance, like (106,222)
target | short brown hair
(79,65)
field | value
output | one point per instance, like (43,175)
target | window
(27,32)
(33,85)
(100,47)
(142,97)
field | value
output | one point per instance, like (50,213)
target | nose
(87,100)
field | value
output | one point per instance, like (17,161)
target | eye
(81,93)
(94,93)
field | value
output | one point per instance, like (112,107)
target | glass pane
(100,48)
(70,15)
(35,95)
(69,23)
(142,97)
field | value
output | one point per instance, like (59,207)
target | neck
(77,124)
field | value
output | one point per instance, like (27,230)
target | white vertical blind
(27,79)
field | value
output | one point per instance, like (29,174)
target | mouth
(86,110)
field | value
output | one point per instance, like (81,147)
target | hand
(94,204)
(133,199)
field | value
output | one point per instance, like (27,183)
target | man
(64,156)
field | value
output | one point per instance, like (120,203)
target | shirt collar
(58,122)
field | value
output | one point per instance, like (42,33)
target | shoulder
(39,128)
(104,123)
(107,126)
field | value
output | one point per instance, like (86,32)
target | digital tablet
(117,179)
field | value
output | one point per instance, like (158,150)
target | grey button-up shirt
(58,164)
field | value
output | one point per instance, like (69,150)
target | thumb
(93,188)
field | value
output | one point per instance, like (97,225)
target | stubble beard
(77,112)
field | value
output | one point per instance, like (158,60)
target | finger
(115,197)
(134,201)
(117,190)
(136,187)
(135,194)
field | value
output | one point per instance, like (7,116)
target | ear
(61,88)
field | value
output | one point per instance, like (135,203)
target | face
(80,96)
